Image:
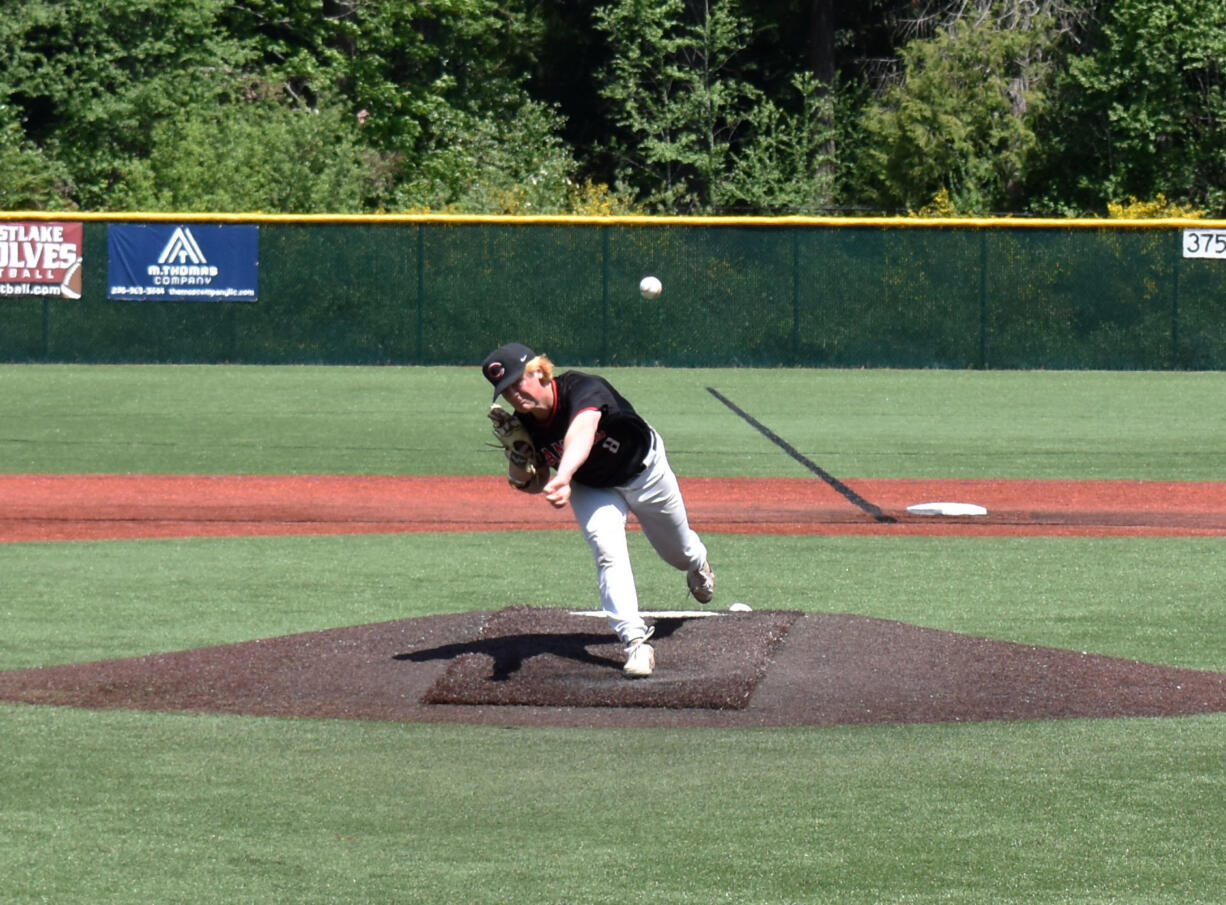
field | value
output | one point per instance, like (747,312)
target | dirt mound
(549,667)
(707,660)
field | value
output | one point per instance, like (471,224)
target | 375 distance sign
(1204,243)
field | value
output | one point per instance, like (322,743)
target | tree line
(957,107)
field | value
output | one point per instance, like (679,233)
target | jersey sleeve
(623,439)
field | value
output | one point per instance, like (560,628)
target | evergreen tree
(676,96)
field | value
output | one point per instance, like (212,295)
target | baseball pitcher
(606,462)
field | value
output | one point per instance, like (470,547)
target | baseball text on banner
(40,259)
(186,262)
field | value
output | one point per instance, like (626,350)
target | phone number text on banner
(196,262)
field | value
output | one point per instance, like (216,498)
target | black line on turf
(846,492)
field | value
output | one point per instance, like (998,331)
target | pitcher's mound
(553,658)
(533,666)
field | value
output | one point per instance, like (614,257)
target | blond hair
(544,365)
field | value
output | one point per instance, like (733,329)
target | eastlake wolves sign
(40,259)
(186,262)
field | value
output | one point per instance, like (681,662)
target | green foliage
(697,134)
(1150,103)
(405,64)
(789,164)
(31,180)
(676,92)
(199,105)
(254,156)
(93,80)
(479,164)
(672,106)
(446,122)
(961,120)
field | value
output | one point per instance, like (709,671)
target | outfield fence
(765,292)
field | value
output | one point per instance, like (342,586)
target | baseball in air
(650,287)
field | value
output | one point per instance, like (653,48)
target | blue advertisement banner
(185,262)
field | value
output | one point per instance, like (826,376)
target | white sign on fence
(1204,243)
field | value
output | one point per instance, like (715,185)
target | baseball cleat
(702,583)
(640,659)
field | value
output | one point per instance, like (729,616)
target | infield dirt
(37,507)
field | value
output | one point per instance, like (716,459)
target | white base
(947,509)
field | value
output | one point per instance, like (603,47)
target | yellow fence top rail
(576,220)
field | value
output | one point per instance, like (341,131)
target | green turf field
(114,807)
(915,424)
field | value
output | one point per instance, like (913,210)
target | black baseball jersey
(623,439)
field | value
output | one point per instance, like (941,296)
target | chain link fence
(812,292)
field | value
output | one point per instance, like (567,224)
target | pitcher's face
(531,395)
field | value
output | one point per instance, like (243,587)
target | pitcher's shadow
(510,651)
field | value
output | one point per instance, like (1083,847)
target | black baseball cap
(505,365)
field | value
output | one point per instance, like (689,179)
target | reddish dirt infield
(530,666)
(75,507)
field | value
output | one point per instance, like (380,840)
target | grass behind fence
(101,807)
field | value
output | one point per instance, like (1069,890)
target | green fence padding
(761,292)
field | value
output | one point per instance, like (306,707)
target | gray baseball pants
(655,499)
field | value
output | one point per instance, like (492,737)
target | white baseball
(650,287)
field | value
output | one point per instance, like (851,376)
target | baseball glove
(526,468)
